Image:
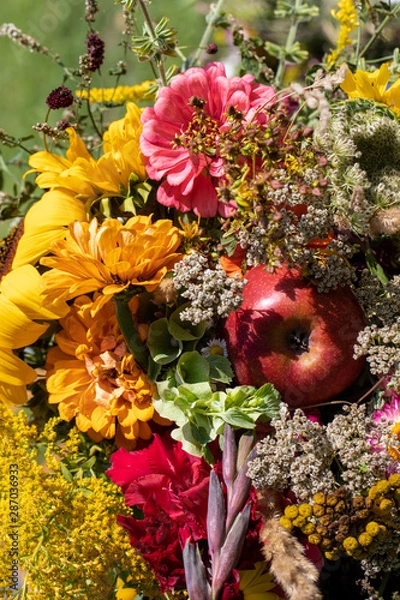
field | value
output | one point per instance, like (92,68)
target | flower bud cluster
(212,294)
(361,137)
(343,524)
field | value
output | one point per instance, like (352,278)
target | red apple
(287,333)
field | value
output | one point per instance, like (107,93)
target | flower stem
(208,31)
(291,38)
(129,331)
(153,36)
(378,31)
(91,117)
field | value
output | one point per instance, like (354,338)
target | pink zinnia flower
(180,139)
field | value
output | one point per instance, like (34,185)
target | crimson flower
(171,488)
(181,134)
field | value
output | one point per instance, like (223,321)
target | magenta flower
(181,134)
(390,411)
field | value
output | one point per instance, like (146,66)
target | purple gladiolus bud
(229,457)
(246,443)
(195,573)
(231,550)
(215,517)
(240,491)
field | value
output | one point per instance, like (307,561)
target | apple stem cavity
(298,341)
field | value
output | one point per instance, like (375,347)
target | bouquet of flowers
(200,297)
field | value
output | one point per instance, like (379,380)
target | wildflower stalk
(291,38)
(214,15)
(367,46)
(13,142)
(159,63)
(91,117)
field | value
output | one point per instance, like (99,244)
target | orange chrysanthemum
(111,257)
(92,376)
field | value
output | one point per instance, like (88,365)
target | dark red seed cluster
(95,46)
(61,97)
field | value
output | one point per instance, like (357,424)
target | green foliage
(169,338)
(200,411)
(155,44)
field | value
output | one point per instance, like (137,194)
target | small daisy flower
(214,347)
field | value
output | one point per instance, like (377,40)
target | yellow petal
(46,161)
(77,148)
(13,394)
(45,222)
(23,287)
(17,330)
(14,371)
(126,594)
(100,419)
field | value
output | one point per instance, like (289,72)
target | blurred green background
(27,78)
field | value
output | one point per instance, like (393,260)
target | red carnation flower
(171,488)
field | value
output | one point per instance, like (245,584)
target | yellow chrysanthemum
(88,178)
(373,86)
(20,303)
(257,583)
(111,257)
(348,20)
(119,94)
(92,377)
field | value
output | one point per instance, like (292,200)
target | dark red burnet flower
(61,97)
(95,50)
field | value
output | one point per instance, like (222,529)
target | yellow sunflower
(92,376)
(21,303)
(373,86)
(45,222)
(111,257)
(257,583)
(88,178)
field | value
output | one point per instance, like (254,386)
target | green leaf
(193,368)
(185,330)
(220,368)
(200,434)
(375,267)
(237,418)
(163,347)
(66,473)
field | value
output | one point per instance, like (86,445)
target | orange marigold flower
(92,377)
(111,257)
